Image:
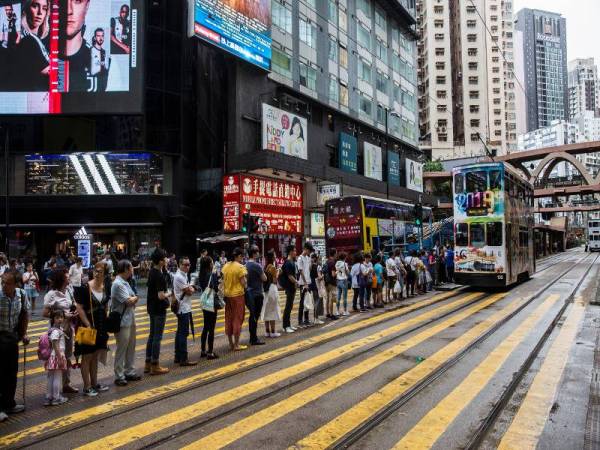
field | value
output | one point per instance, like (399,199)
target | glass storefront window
(94,173)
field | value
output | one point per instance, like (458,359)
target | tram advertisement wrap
(479,211)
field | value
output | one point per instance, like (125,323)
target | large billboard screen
(71,56)
(284,132)
(278,203)
(241,27)
(414,175)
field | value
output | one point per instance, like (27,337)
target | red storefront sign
(278,203)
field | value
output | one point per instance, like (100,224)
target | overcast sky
(583,20)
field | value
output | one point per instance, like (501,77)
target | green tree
(433,166)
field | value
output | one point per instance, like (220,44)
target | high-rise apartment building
(584,89)
(466,80)
(545,66)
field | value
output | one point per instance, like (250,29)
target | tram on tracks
(493,225)
(593,235)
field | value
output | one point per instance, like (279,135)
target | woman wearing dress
(271,311)
(91,302)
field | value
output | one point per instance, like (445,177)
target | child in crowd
(57,363)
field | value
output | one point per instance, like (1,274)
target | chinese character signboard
(284,132)
(393,160)
(414,175)
(372,157)
(328,192)
(347,149)
(278,203)
(317,224)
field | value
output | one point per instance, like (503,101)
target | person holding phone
(158,301)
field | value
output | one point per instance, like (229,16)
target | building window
(472,52)
(474,137)
(308,33)
(440,65)
(497,112)
(442,137)
(364,6)
(381,83)
(496,69)
(343,95)
(439,51)
(442,108)
(381,51)
(475,122)
(471,38)
(333,49)
(472,65)
(471,23)
(496,101)
(438,9)
(380,19)
(282,17)
(281,63)
(473,95)
(308,77)
(473,79)
(497,123)
(496,91)
(380,114)
(471,9)
(441,94)
(440,80)
(364,71)
(396,67)
(496,80)
(364,36)
(439,36)
(442,123)
(365,106)
(498,133)
(334,91)
(474,108)
(343,57)
(438,23)
(342,20)
(332,11)
(312,3)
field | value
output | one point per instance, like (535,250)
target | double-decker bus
(364,223)
(493,225)
(593,235)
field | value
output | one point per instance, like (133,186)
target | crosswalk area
(426,373)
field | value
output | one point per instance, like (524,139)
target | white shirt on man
(75,274)
(180,282)
(303,264)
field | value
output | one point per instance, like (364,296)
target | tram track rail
(369,425)
(353,437)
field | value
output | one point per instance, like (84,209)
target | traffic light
(246,217)
(418,210)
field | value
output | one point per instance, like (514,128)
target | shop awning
(224,238)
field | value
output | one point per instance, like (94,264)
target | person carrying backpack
(410,264)
(330,284)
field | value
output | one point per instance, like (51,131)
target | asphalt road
(425,373)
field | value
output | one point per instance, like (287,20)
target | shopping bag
(207,300)
(397,288)
(309,303)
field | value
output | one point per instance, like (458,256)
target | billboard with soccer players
(71,56)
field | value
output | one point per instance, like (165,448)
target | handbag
(113,322)
(309,303)
(207,299)
(87,335)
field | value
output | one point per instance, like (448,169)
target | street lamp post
(6,194)
(387,145)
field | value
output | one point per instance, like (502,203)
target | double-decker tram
(364,223)
(493,225)
(593,234)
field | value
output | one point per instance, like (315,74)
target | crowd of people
(83,306)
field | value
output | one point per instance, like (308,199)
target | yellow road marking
(425,433)
(528,425)
(343,424)
(78,417)
(243,427)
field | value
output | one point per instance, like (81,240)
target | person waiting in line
(157,303)
(271,311)
(367,273)
(183,291)
(14,319)
(315,276)
(56,364)
(377,282)
(235,281)
(400,271)
(208,277)
(91,302)
(341,274)
(60,297)
(76,273)
(410,264)
(31,282)
(304,281)
(254,293)
(392,276)
(330,284)
(123,300)
(449,257)
(289,282)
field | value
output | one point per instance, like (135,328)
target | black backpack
(328,275)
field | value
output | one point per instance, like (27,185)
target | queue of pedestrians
(84,309)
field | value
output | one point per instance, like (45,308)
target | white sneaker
(3,416)
(268,335)
(275,335)
(319,322)
(294,328)
(346,313)
(289,330)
